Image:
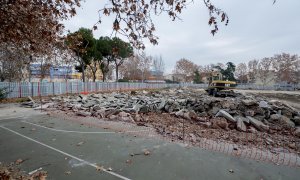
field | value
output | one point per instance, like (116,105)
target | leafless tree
(145,65)
(252,68)
(13,63)
(241,72)
(285,66)
(130,69)
(221,65)
(186,68)
(158,65)
(297,70)
(43,65)
(110,70)
(64,58)
(264,72)
(137,67)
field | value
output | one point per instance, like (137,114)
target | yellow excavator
(219,87)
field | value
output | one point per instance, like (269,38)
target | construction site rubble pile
(243,113)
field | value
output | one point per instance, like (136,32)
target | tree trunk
(29,72)
(117,74)
(94,76)
(29,69)
(41,72)
(103,77)
(83,74)
(93,72)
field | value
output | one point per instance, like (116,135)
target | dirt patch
(195,131)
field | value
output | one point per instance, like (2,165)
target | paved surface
(52,143)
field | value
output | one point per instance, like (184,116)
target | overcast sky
(256,29)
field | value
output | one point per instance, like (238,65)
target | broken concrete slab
(30,98)
(297,132)
(83,113)
(264,104)
(162,104)
(240,125)
(220,123)
(275,117)
(252,130)
(249,102)
(44,106)
(226,115)
(296,119)
(89,104)
(258,124)
(190,115)
(287,122)
(280,119)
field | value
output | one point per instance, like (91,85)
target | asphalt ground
(72,150)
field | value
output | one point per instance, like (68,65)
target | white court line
(66,154)
(80,132)
(136,131)
(66,131)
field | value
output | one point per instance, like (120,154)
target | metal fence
(24,89)
(283,87)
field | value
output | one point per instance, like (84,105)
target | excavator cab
(218,87)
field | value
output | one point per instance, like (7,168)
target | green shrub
(3,93)
(168,81)
(123,80)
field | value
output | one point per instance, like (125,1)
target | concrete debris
(83,113)
(220,123)
(226,115)
(264,104)
(175,108)
(296,119)
(249,102)
(30,98)
(283,120)
(30,104)
(287,122)
(249,112)
(244,119)
(258,124)
(44,106)
(252,130)
(297,132)
(193,137)
(241,125)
